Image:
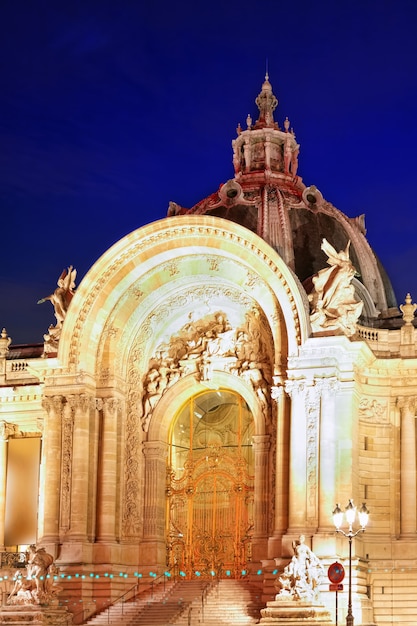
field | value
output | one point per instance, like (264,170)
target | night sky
(109,110)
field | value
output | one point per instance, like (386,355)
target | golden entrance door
(210,486)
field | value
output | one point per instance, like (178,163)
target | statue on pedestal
(60,300)
(302,576)
(36,585)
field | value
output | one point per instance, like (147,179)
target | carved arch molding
(236,340)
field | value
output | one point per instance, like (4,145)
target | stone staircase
(189,603)
(229,602)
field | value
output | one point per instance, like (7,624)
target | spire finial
(266,102)
(266,69)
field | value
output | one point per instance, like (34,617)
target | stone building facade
(219,380)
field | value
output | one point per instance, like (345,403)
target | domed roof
(268,197)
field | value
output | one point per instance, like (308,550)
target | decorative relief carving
(8,430)
(135,292)
(207,344)
(253,279)
(111,331)
(213,263)
(131,505)
(372,410)
(66,461)
(104,376)
(149,242)
(172,268)
(313,418)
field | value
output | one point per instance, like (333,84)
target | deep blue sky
(109,110)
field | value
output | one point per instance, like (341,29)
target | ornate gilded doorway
(210,483)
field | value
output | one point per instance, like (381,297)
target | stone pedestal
(290,612)
(35,616)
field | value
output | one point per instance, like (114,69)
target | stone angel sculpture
(332,301)
(62,296)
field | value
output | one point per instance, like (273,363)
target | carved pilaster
(281,467)
(132,503)
(312,448)
(5,342)
(261,445)
(304,446)
(51,469)
(407,406)
(108,475)
(297,390)
(327,450)
(66,464)
(6,430)
(155,470)
(78,510)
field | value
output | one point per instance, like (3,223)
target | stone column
(108,475)
(281,465)
(261,444)
(408,466)
(51,470)
(262,496)
(328,453)
(155,501)
(6,429)
(80,405)
(5,342)
(297,505)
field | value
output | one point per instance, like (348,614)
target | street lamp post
(350,513)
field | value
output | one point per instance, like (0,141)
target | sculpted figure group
(35,584)
(199,346)
(332,301)
(302,576)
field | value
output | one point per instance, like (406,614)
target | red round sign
(336,572)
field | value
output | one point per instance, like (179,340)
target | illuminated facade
(194,417)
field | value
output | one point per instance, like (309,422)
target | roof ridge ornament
(266,103)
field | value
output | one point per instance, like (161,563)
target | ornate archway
(210,485)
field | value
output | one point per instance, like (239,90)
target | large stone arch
(139,295)
(130,283)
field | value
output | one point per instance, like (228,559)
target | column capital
(81,401)
(407,403)
(261,442)
(296,387)
(7,430)
(155,449)
(328,386)
(53,405)
(277,392)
